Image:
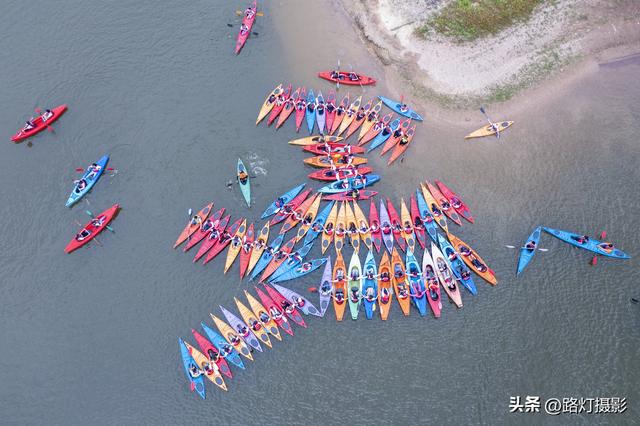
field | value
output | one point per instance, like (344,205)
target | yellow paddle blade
(239,12)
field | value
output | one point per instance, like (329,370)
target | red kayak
(288,208)
(301,108)
(288,308)
(247,23)
(275,311)
(212,238)
(91,229)
(281,100)
(212,353)
(456,202)
(348,78)
(333,148)
(39,123)
(205,229)
(396,226)
(341,173)
(224,241)
(363,194)
(374,226)
(331,111)
(289,107)
(247,247)
(340,113)
(418,226)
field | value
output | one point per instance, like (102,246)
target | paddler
(298,302)
(353,76)
(404,108)
(287,306)
(531,245)
(384,295)
(194,371)
(47,115)
(249,13)
(82,235)
(234,339)
(80,184)
(339,297)
(243,330)
(370,296)
(264,318)
(606,246)
(255,325)
(28,126)
(213,356)
(196,220)
(243,176)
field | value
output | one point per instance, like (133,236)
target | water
(92,337)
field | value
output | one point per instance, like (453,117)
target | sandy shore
(558,42)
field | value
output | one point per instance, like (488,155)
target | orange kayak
(402,145)
(194,224)
(339,161)
(339,287)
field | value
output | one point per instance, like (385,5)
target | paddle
(239,13)
(594,260)
(491,122)
(110,169)
(540,249)
(634,300)
(92,216)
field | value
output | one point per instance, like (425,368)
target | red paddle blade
(312,290)
(594,261)
(38,110)
(50,129)
(192,386)
(79,170)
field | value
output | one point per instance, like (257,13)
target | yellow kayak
(253,323)
(236,245)
(372,118)
(434,208)
(209,367)
(258,247)
(262,314)
(488,130)
(268,104)
(329,225)
(352,227)
(363,225)
(340,231)
(349,115)
(232,337)
(312,140)
(407,226)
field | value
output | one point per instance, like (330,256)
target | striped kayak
(349,184)
(587,244)
(355,285)
(208,367)
(242,329)
(311,110)
(458,267)
(473,260)
(527,254)
(299,271)
(446,277)
(87,181)
(226,350)
(245,187)
(416,283)
(370,285)
(426,216)
(432,284)
(254,324)
(489,130)
(299,301)
(326,288)
(400,108)
(188,362)
(384,135)
(212,353)
(281,201)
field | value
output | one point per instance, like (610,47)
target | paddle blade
(50,129)
(79,170)
(89,213)
(313,289)
(594,261)
(482,110)
(192,386)
(38,110)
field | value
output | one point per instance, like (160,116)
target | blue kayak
(426,216)
(398,107)
(227,351)
(417,289)
(283,199)
(293,261)
(187,362)
(318,224)
(300,271)
(384,134)
(349,184)
(527,254)
(370,285)
(587,244)
(459,268)
(89,179)
(266,256)
(311,111)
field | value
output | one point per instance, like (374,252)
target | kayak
(308,218)
(188,362)
(259,245)
(338,148)
(293,261)
(340,173)
(247,23)
(299,301)
(281,100)
(340,113)
(254,324)
(92,228)
(242,329)
(317,224)
(298,213)
(527,254)
(355,285)
(299,271)
(434,209)
(364,194)
(289,309)
(418,226)
(455,201)
(232,337)
(326,288)
(385,291)
(488,130)
(278,259)
(400,108)
(39,124)
(374,226)
(399,281)
(349,184)
(341,227)
(289,107)
(194,224)
(266,256)
(209,368)
(339,287)
(416,284)
(590,244)
(223,241)
(268,104)
(331,111)
(329,161)
(89,179)
(311,110)
(247,248)
(363,226)
(245,187)
(226,350)
(321,110)
(281,201)
(370,285)
(212,237)
(407,226)
(359,118)
(348,78)
(444,204)
(447,279)
(300,107)
(385,134)
(458,267)
(328,227)
(212,222)
(432,284)
(289,207)
(212,353)
(316,140)
(473,260)
(402,145)
(350,115)
(372,118)
(236,245)
(396,136)
(352,227)
(427,218)
(396,227)
(376,129)
(264,317)
(385,226)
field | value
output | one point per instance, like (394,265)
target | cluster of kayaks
(255,326)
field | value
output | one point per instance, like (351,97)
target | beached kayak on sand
(348,78)
(401,108)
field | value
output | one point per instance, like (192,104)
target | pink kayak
(247,23)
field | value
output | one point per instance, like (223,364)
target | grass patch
(467,20)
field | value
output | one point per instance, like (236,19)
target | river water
(91,337)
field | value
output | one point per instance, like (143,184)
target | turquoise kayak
(266,256)
(349,184)
(398,107)
(293,261)
(245,186)
(370,285)
(588,244)
(90,177)
(281,201)
(311,111)
(384,134)
(417,289)
(227,351)
(318,224)
(188,362)
(299,271)
(458,267)
(527,254)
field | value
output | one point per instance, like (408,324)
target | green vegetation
(467,20)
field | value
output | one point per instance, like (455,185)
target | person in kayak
(433,292)
(404,140)
(531,245)
(207,225)
(478,265)
(355,294)
(336,75)
(82,235)
(279,202)
(196,220)
(404,108)
(234,339)
(340,275)
(29,125)
(264,318)
(249,13)
(408,228)
(608,247)
(287,306)
(276,314)
(464,250)
(385,276)
(47,115)
(328,229)
(226,350)
(456,203)
(339,296)
(384,295)
(246,245)
(243,176)
(93,170)
(243,330)
(244,29)
(416,292)
(398,272)
(307,220)
(325,288)
(352,228)
(353,76)
(370,294)
(402,291)
(255,325)
(236,241)
(194,371)
(386,228)
(436,210)
(445,204)
(80,184)
(258,244)
(213,356)
(298,302)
